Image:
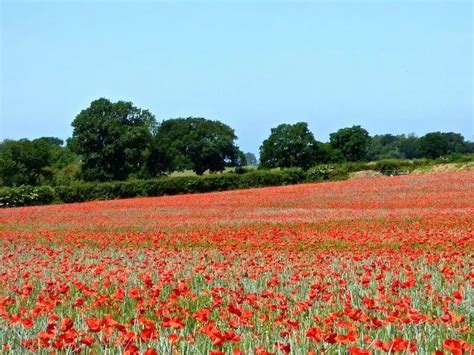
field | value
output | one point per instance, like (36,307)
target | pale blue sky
(390,66)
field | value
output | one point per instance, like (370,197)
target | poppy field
(367,266)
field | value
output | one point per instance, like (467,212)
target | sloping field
(361,266)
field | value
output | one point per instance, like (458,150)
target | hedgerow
(174,185)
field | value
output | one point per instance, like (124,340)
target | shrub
(260,178)
(393,166)
(320,173)
(241,170)
(292,176)
(334,172)
(351,167)
(455,158)
(77,192)
(178,185)
(26,196)
(43,195)
(222,182)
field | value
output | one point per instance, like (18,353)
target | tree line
(116,141)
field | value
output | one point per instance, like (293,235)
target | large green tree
(408,146)
(289,145)
(196,144)
(250,159)
(352,142)
(393,146)
(383,146)
(436,144)
(24,162)
(114,140)
(40,161)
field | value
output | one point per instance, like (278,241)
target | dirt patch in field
(365,174)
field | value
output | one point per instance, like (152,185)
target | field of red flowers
(366,266)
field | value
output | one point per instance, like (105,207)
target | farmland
(362,266)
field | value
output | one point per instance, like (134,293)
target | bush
(176,185)
(222,182)
(26,196)
(393,166)
(320,173)
(292,176)
(351,167)
(455,158)
(260,178)
(77,192)
(241,170)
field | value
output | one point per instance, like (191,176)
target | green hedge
(26,196)
(86,191)
(262,178)
(83,191)
(334,172)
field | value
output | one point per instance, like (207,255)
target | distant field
(362,266)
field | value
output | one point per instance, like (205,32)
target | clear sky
(390,66)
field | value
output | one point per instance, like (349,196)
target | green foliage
(289,145)
(242,170)
(66,175)
(327,154)
(123,146)
(241,160)
(320,172)
(353,142)
(393,166)
(333,172)
(388,146)
(436,144)
(384,146)
(26,196)
(219,182)
(77,192)
(456,158)
(36,162)
(431,145)
(55,141)
(350,167)
(113,139)
(260,178)
(176,185)
(88,191)
(408,146)
(250,159)
(196,144)
(23,162)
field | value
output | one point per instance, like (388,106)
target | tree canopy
(431,145)
(23,162)
(197,144)
(34,162)
(250,159)
(436,144)
(353,142)
(289,145)
(114,140)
